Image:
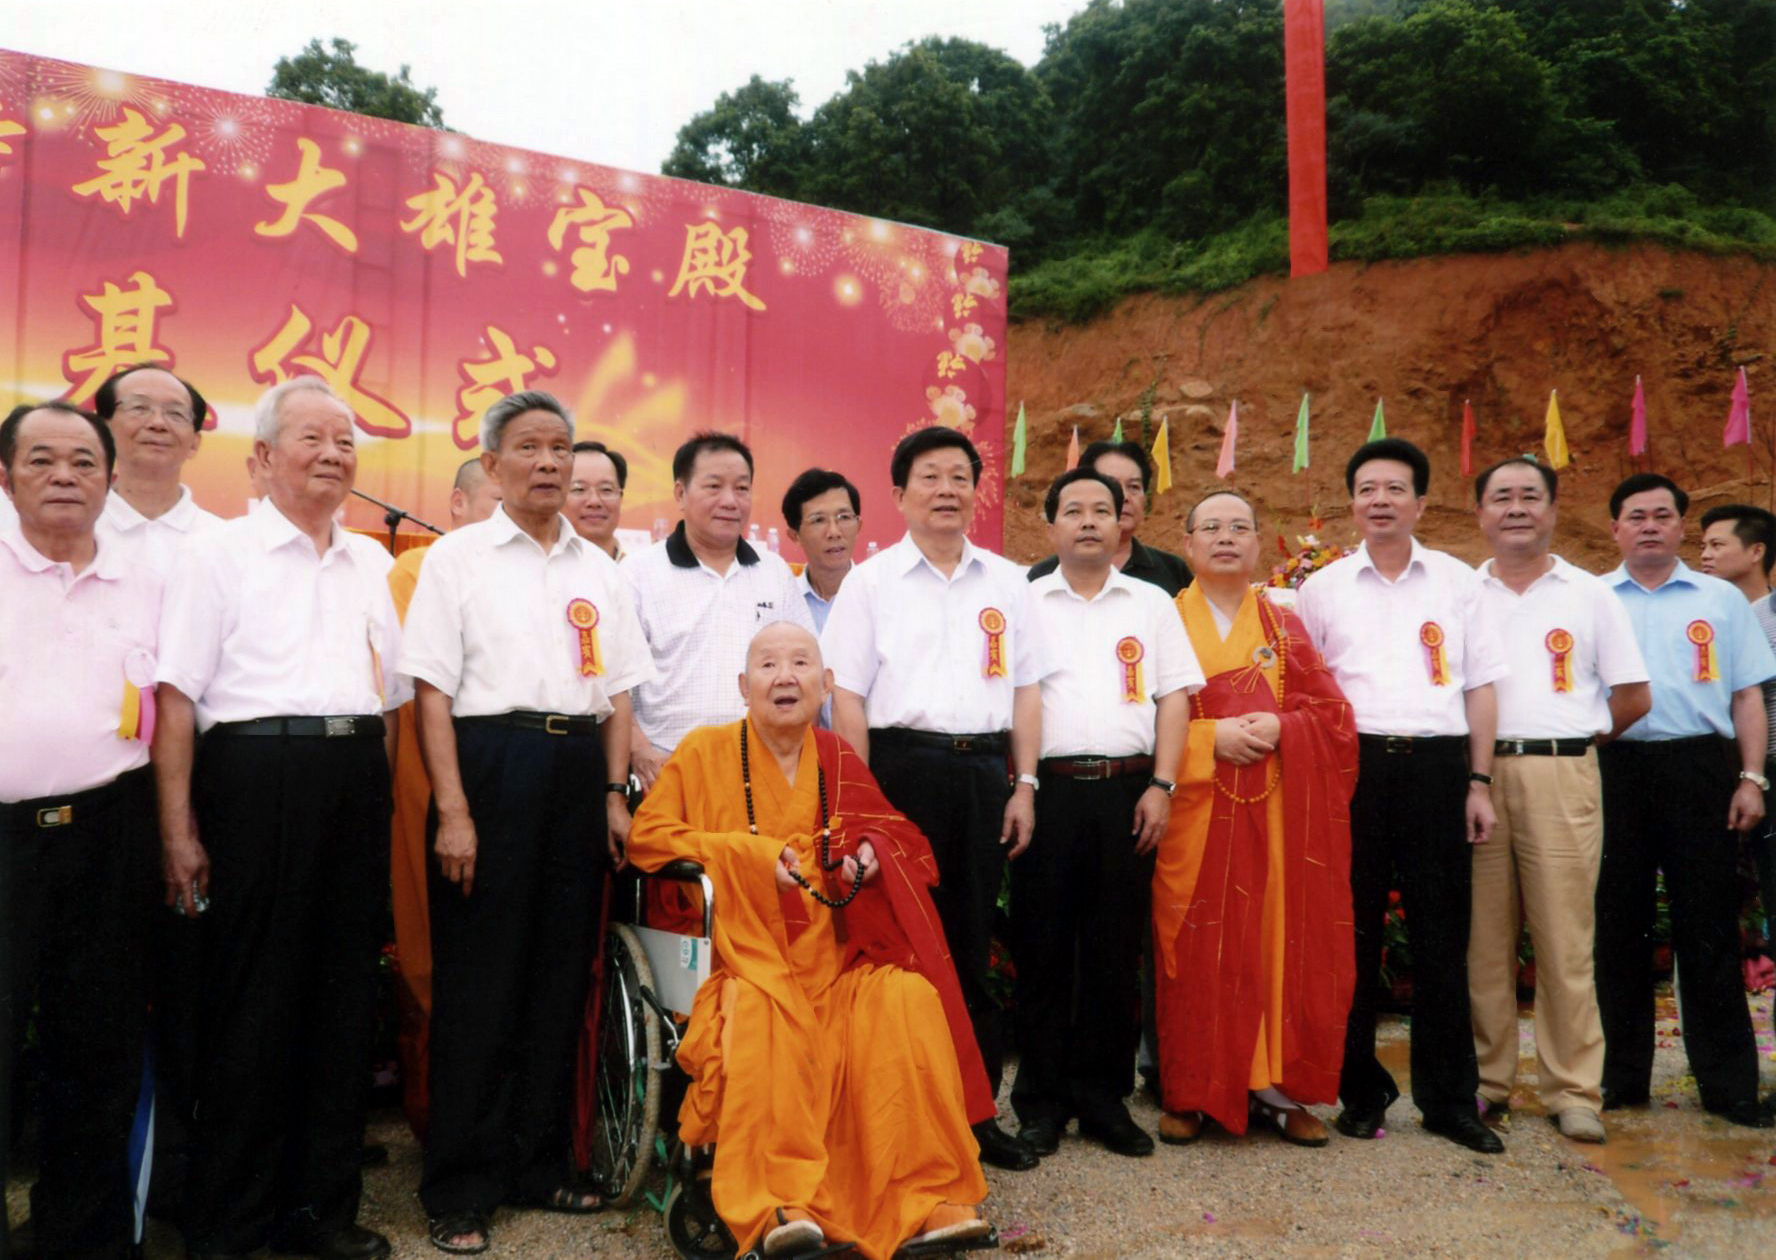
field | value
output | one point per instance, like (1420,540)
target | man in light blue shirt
(1678,788)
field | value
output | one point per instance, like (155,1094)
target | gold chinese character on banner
(446,215)
(595,268)
(138,163)
(489,380)
(126,321)
(714,262)
(313,182)
(8,129)
(339,363)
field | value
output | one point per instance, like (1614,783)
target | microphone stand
(392,516)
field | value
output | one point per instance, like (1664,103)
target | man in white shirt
(79,620)
(937,663)
(522,647)
(157,420)
(701,593)
(1113,720)
(278,644)
(1576,677)
(1403,630)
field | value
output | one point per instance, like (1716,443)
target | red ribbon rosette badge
(992,623)
(1431,635)
(1129,651)
(1701,634)
(1560,646)
(583,617)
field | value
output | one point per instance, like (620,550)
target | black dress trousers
(80,883)
(1409,822)
(510,966)
(297,831)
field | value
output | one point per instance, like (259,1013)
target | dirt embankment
(1497,330)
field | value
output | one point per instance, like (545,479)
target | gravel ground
(1671,1179)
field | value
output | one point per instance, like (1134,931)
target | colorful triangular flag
(1300,460)
(1467,439)
(1738,415)
(1224,465)
(1637,430)
(1554,439)
(1117,436)
(1162,457)
(1073,450)
(1378,427)
(1018,438)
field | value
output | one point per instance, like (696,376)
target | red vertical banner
(1304,67)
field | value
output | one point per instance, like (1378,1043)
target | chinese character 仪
(339,363)
(595,267)
(445,215)
(714,262)
(126,320)
(138,164)
(313,182)
(489,380)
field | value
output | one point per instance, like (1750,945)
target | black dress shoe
(1465,1130)
(1363,1123)
(1616,1099)
(1749,1112)
(1042,1136)
(1118,1133)
(1001,1150)
(343,1242)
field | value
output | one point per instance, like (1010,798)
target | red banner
(240,241)
(1304,71)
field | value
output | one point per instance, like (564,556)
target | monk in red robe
(831,1059)
(1251,891)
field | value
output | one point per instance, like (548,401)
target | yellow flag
(1554,440)
(1162,458)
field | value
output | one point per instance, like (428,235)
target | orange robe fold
(1251,889)
(407,880)
(821,1054)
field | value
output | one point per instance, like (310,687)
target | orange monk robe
(407,878)
(827,1077)
(1251,889)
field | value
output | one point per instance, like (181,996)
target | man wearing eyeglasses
(595,495)
(157,421)
(824,512)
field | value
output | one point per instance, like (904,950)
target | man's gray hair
(509,408)
(271,402)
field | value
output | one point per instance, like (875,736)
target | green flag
(1300,437)
(1117,436)
(1378,428)
(1017,445)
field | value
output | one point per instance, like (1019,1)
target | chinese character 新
(489,380)
(126,320)
(444,215)
(595,267)
(313,182)
(138,164)
(339,363)
(714,262)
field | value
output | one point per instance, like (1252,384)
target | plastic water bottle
(752,534)
(772,542)
(870,550)
(659,528)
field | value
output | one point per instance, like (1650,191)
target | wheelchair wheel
(697,1233)
(628,1121)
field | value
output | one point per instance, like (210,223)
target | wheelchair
(650,978)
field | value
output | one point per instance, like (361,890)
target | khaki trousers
(1540,866)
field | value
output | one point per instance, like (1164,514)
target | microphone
(392,516)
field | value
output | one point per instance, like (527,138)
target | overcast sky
(600,80)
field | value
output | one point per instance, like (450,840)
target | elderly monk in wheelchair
(830,1055)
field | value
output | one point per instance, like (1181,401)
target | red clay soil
(1500,330)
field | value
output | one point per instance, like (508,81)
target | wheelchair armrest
(681,869)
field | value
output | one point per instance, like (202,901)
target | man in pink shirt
(78,626)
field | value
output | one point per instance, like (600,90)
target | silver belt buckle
(1518,745)
(337,727)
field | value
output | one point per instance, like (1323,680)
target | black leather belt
(58,811)
(1413,743)
(346,726)
(1096,767)
(1541,747)
(548,723)
(995,743)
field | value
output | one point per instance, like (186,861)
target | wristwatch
(1164,785)
(1031,780)
(1477,777)
(622,788)
(1752,776)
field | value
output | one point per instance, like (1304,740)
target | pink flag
(1637,437)
(1739,415)
(1224,465)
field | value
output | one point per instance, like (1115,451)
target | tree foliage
(316,76)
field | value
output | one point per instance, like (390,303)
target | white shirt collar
(181,516)
(1682,573)
(277,530)
(1559,569)
(910,557)
(1057,581)
(109,563)
(506,530)
(1365,561)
